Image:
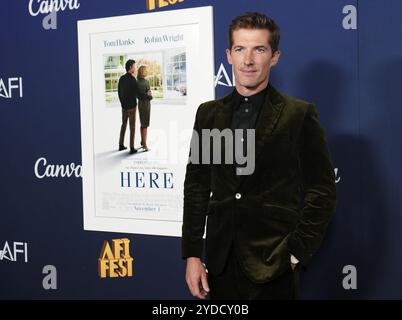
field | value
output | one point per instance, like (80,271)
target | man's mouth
(248,72)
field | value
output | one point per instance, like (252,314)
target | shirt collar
(256,99)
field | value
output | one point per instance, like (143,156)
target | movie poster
(141,192)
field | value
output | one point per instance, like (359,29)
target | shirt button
(242,139)
(238,196)
(245,99)
(246,110)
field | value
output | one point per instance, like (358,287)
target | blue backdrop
(354,77)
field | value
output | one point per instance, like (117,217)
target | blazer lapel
(268,118)
(223,119)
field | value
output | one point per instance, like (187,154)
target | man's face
(251,57)
(132,69)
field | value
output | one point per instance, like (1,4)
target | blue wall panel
(354,78)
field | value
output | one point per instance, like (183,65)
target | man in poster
(127,90)
(261,226)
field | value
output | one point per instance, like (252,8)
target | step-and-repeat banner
(80,219)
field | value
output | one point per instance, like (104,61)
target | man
(127,89)
(262,226)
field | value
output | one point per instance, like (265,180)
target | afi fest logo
(115,261)
(14,251)
(11,87)
(50,8)
(153,4)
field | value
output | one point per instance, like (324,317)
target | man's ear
(275,58)
(229,56)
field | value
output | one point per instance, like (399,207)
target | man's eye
(260,50)
(238,49)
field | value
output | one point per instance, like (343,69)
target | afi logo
(11,87)
(18,250)
(222,78)
(115,261)
(152,4)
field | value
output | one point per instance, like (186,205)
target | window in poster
(141,192)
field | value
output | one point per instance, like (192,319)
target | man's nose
(248,58)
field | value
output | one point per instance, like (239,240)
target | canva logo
(153,4)
(37,7)
(51,8)
(14,252)
(44,170)
(115,261)
(11,87)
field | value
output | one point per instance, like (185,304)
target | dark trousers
(232,284)
(127,115)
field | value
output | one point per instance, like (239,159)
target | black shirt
(128,91)
(245,115)
(247,109)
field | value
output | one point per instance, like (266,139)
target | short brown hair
(255,20)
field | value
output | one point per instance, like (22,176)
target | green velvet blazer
(282,208)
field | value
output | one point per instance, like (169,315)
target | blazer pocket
(278,138)
(277,147)
(280,213)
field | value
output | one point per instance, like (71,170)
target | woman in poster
(144,104)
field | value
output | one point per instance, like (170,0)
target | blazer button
(238,195)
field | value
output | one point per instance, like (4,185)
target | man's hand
(149,93)
(196,278)
(293,266)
